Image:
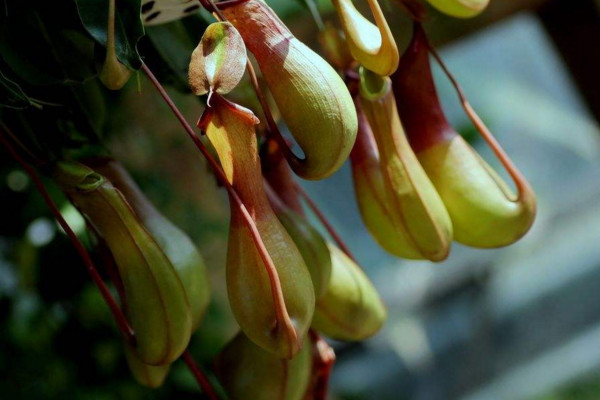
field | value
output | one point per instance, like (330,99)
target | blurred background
(520,323)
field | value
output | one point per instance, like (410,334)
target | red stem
(324,359)
(15,139)
(332,232)
(110,267)
(414,8)
(200,376)
(91,268)
(211,7)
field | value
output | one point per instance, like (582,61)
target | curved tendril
(282,316)
(526,194)
(373,45)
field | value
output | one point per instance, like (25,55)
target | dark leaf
(170,47)
(128,26)
(78,120)
(46,45)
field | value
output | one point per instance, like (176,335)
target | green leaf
(128,26)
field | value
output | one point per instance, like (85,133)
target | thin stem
(324,359)
(91,268)
(200,376)
(19,143)
(273,130)
(278,174)
(415,9)
(211,161)
(275,284)
(110,30)
(314,11)
(109,265)
(215,10)
(525,192)
(332,232)
(138,82)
